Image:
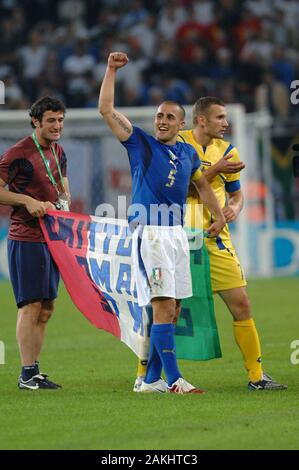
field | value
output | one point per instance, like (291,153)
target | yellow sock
(248,341)
(141,369)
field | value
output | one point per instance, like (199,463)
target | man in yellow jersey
(221,164)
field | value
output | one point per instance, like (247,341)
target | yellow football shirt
(221,184)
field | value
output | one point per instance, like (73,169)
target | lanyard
(49,172)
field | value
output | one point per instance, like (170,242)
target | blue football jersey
(160,178)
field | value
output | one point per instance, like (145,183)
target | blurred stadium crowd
(240,50)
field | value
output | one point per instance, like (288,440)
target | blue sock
(36,363)
(154,365)
(162,336)
(28,372)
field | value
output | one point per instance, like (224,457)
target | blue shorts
(33,273)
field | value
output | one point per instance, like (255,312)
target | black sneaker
(30,384)
(45,376)
(44,383)
(267,383)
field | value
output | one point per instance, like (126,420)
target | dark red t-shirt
(23,169)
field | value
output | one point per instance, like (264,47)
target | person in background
(34,169)
(221,166)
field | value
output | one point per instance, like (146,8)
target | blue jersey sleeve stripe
(220,244)
(232,186)
(229,148)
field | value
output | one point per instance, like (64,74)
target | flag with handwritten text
(94,258)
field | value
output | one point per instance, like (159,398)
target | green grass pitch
(96,408)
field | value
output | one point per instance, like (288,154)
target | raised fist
(117,60)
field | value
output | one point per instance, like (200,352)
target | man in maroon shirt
(34,169)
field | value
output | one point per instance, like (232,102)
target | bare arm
(208,197)
(118,123)
(234,206)
(67,190)
(224,165)
(34,207)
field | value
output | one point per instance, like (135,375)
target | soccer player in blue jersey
(161,170)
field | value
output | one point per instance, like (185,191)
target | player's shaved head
(202,106)
(179,106)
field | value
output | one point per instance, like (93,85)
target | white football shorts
(161,263)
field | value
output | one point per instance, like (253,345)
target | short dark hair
(46,103)
(202,105)
(176,104)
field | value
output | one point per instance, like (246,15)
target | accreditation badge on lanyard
(62,200)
